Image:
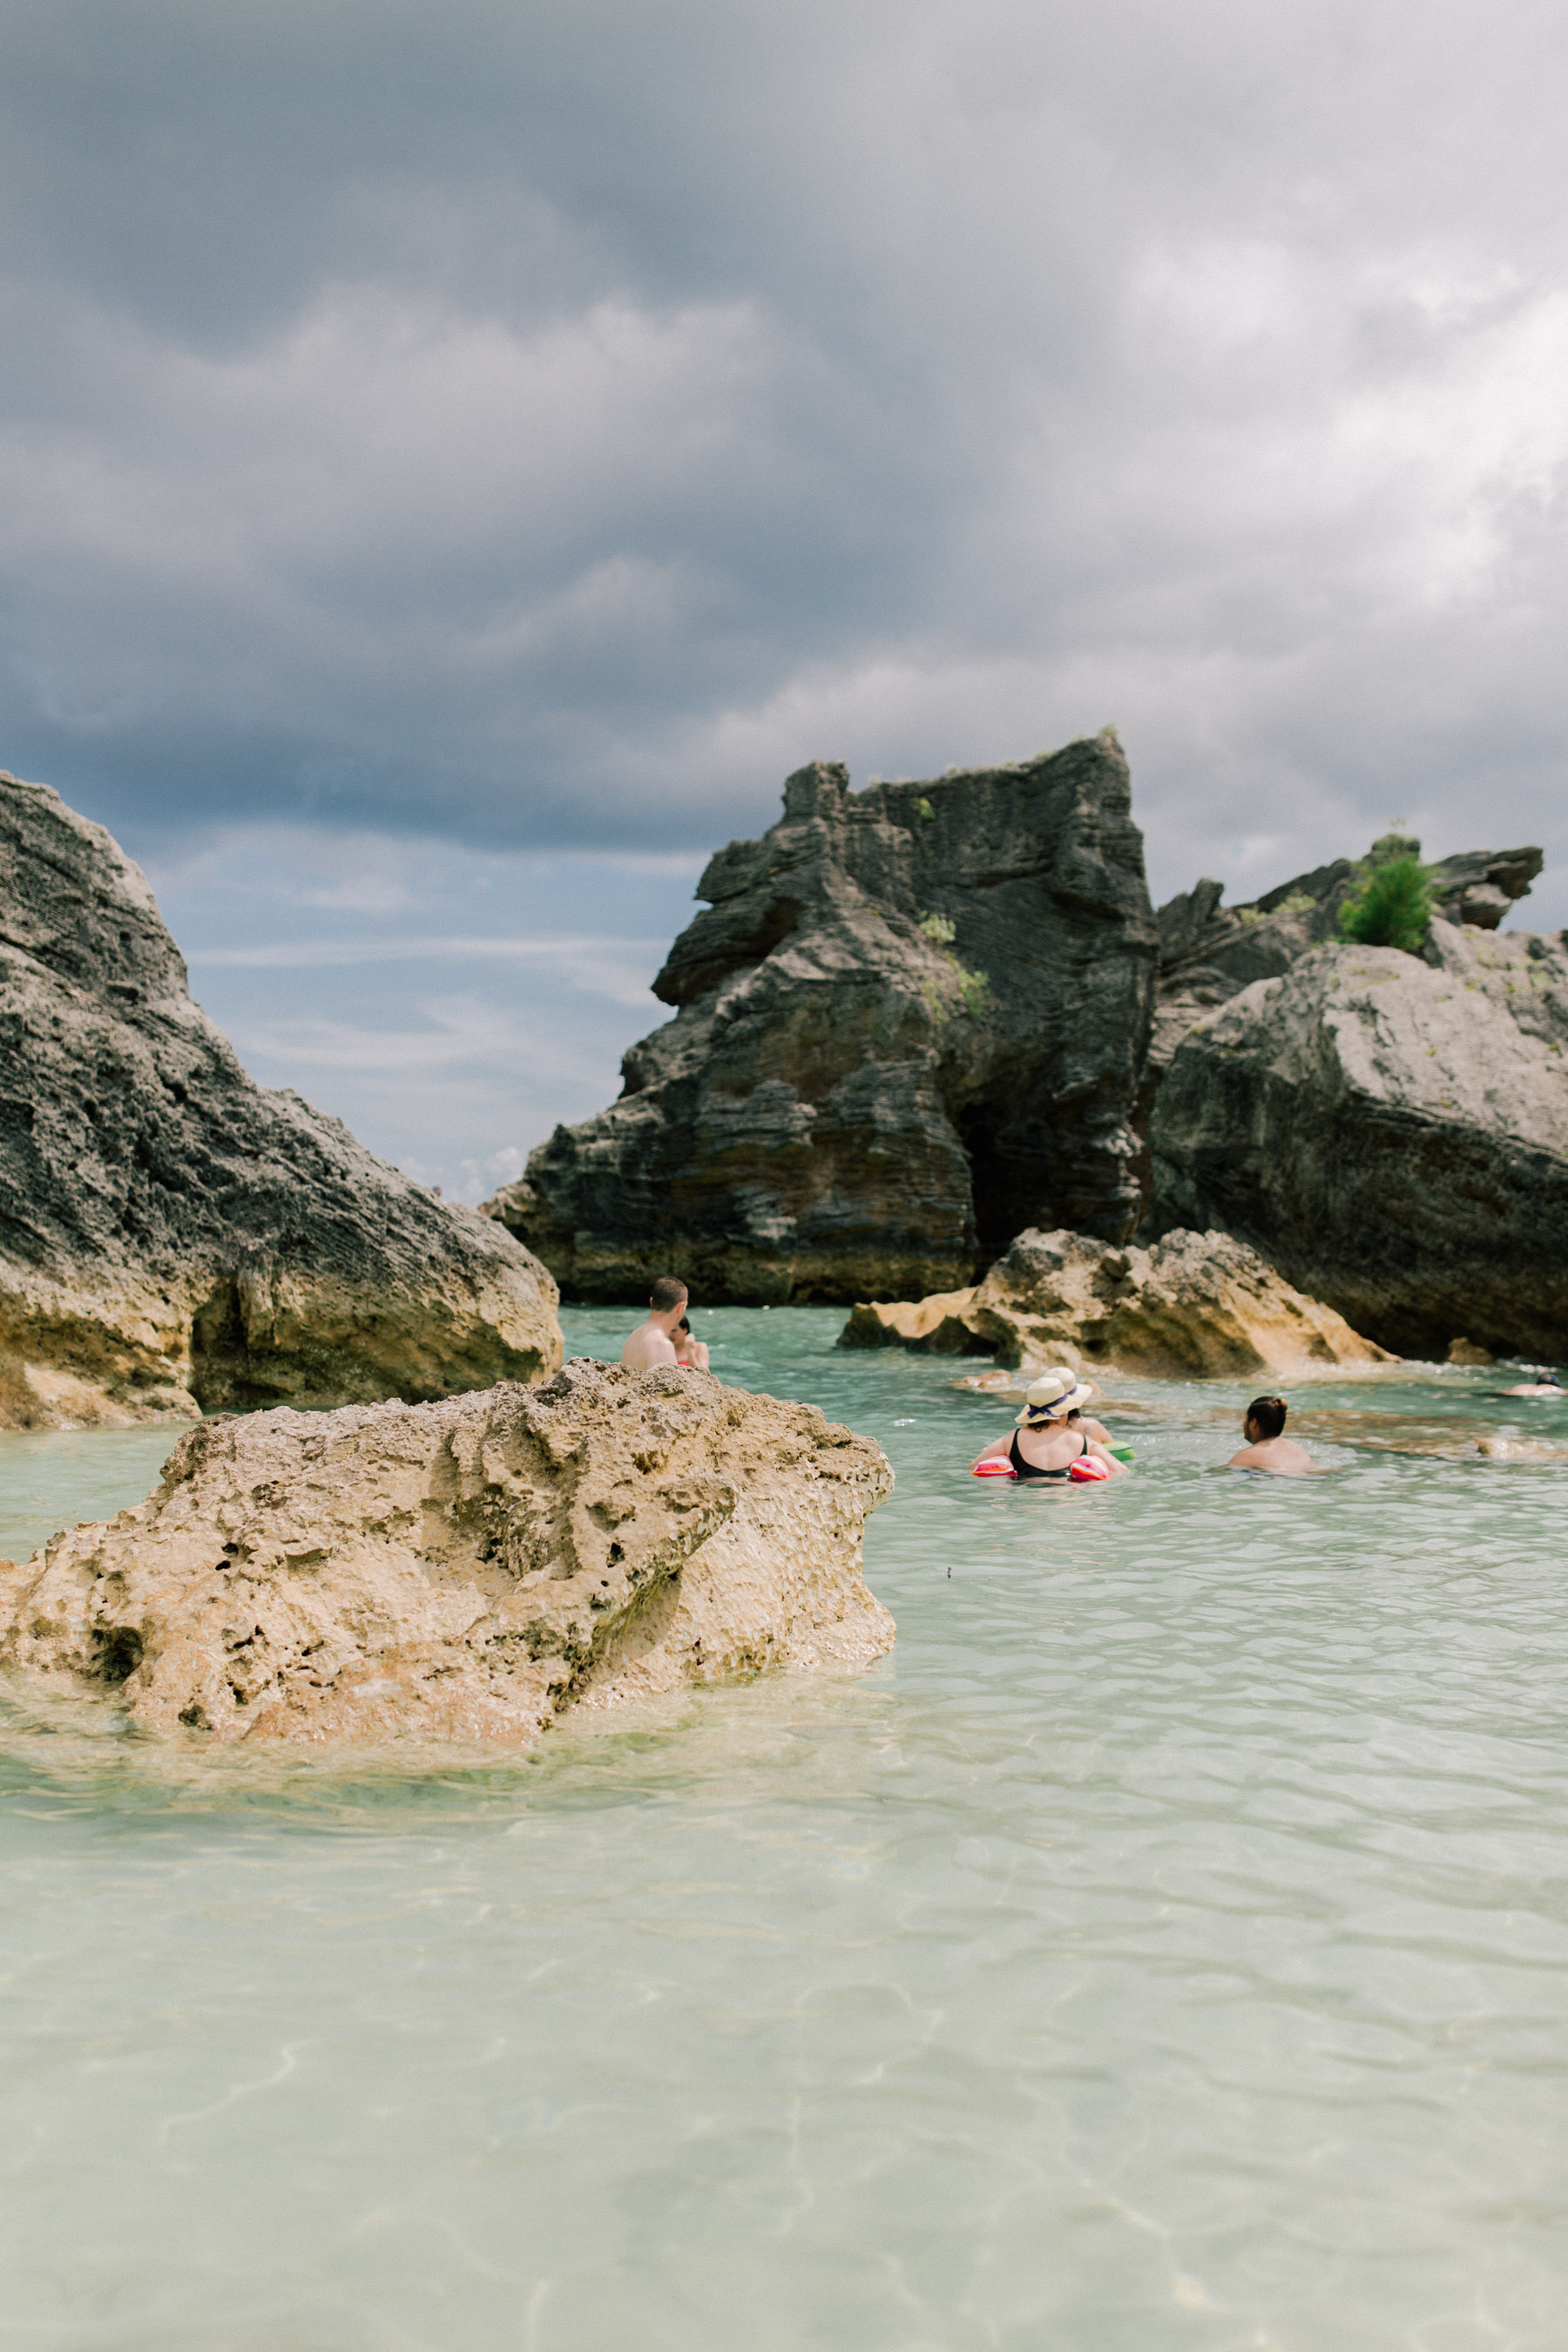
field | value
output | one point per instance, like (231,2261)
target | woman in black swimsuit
(1042,1444)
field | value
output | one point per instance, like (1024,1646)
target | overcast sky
(457,460)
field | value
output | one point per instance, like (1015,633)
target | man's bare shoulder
(647,1346)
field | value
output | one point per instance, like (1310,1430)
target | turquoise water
(1166,1946)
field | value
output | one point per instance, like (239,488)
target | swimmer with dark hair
(689,1351)
(1542,1383)
(1267,1447)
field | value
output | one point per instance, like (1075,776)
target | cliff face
(1391,1132)
(173,1238)
(911,1022)
(467,1570)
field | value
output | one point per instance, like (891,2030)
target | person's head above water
(667,1293)
(1052,1397)
(1266,1416)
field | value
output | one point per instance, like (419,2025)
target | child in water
(689,1351)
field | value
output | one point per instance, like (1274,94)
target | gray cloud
(549,425)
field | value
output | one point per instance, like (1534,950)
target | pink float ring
(1087,1470)
(995,1468)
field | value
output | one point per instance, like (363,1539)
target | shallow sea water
(1165,1947)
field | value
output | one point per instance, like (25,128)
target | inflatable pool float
(1086,1470)
(995,1468)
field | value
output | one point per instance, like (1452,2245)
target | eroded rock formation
(174,1238)
(1209,953)
(911,1021)
(466,1569)
(1392,1133)
(1196,1305)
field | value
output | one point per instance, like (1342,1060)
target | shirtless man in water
(653,1342)
(1266,1449)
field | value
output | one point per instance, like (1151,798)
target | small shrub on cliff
(974,987)
(1393,908)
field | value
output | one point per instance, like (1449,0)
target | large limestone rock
(1196,1306)
(911,1021)
(173,1238)
(467,1570)
(1391,1132)
(1209,953)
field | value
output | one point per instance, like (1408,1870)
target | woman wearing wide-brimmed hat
(1043,1445)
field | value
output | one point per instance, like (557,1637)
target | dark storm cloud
(552,424)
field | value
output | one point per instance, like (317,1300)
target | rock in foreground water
(466,1569)
(1393,1134)
(1196,1306)
(173,1238)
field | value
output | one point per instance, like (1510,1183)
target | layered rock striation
(174,1238)
(1196,1306)
(1391,1132)
(463,1570)
(911,1020)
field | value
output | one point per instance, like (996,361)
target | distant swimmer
(1266,1448)
(1043,1444)
(653,1342)
(1542,1383)
(688,1349)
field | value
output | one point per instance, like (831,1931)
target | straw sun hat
(1054,1393)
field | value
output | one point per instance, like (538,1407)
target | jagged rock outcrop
(173,1238)
(1391,1132)
(1209,953)
(1196,1305)
(466,1569)
(911,1021)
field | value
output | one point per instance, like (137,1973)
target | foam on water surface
(1165,1947)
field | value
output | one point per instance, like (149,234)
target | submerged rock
(1196,1306)
(173,1238)
(911,1021)
(1391,1132)
(464,1570)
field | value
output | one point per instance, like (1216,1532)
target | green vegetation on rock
(1392,907)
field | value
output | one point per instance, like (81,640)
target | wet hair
(667,1292)
(1268,1414)
(685,1325)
